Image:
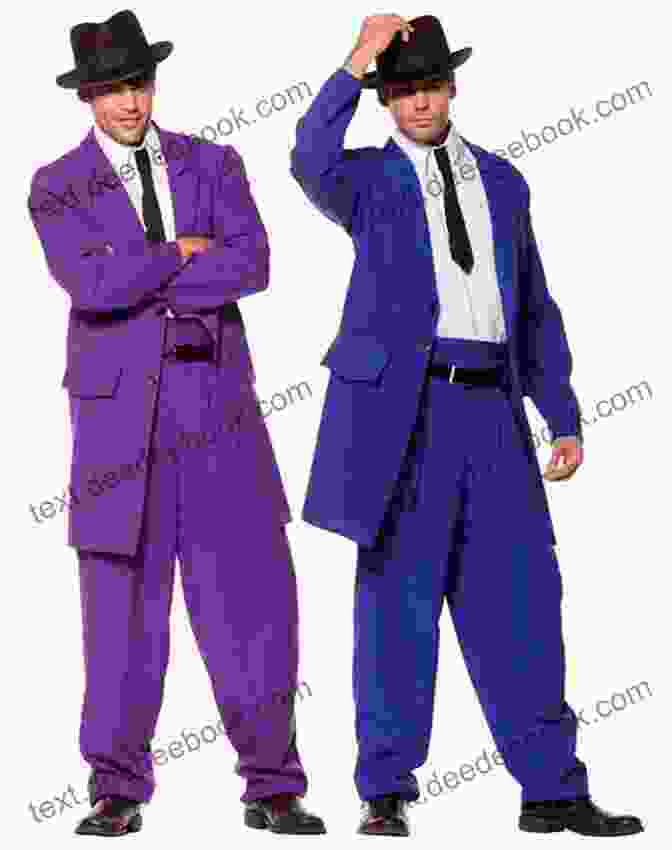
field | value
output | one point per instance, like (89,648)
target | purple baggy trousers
(240,593)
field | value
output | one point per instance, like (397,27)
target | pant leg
(398,599)
(240,585)
(504,591)
(125,611)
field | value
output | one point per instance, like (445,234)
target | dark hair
(87,93)
(383,88)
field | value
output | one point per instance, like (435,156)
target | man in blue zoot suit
(424,455)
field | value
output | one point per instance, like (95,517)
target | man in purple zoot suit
(155,236)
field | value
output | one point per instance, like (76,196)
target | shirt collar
(120,155)
(421,153)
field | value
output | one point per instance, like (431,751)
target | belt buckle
(188,352)
(451,375)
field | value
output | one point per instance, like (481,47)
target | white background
(601,215)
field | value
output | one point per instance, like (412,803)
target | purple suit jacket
(119,284)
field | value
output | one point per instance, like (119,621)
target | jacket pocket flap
(356,358)
(90,379)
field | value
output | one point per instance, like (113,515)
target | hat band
(112,58)
(407,72)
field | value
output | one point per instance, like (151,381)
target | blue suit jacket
(380,355)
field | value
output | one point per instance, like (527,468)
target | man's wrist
(569,437)
(186,254)
(355,65)
(348,67)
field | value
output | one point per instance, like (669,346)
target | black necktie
(151,212)
(460,247)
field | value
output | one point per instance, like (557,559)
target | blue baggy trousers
(465,525)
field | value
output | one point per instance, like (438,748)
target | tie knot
(142,159)
(442,157)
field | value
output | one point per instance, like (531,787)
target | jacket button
(164,310)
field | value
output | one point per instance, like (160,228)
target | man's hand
(567,450)
(189,245)
(375,36)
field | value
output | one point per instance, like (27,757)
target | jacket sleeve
(319,163)
(99,276)
(546,361)
(237,264)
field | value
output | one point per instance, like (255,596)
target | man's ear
(452,89)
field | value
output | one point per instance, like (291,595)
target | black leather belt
(476,377)
(189,353)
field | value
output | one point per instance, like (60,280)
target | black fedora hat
(425,54)
(113,50)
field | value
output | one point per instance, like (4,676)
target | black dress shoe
(385,815)
(579,815)
(112,816)
(282,813)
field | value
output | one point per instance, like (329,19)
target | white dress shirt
(122,155)
(470,304)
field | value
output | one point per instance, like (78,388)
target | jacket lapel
(113,205)
(406,177)
(494,178)
(186,182)
(107,199)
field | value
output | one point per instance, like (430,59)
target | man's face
(122,110)
(420,108)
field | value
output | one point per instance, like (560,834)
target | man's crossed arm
(195,272)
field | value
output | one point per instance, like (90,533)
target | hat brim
(74,79)
(371,80)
